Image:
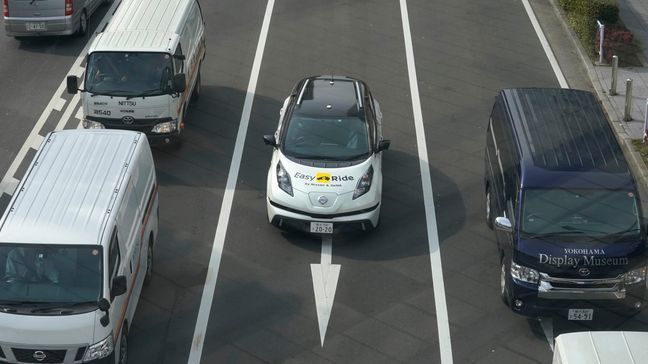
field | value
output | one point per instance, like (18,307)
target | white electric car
(326,171)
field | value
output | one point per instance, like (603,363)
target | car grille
(80,353)
(141,125)
(27,355)
(574,288)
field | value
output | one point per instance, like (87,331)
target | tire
(123,347)
(149,264)
(195,94)
(489,209)
(83,24)
(505,284)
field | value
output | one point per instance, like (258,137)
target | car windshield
(129,74)
(335,139)
(35,273)
(580,214)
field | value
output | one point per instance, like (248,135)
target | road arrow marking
(325,277)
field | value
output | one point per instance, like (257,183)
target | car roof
(565,139)
(330,96)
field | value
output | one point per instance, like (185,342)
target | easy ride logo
(322,177)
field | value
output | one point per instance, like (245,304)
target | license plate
(36,26)
(580,314)
(321,227)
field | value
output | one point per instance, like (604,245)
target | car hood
(48,330)
(338,180)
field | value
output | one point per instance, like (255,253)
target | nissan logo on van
(128,120)
(39,355)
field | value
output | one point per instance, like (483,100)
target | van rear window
(50,274)
(580,214)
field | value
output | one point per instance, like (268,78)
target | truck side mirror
(119,286)
(503,224)
(179,83)
(104,306)
(72,84)
(270,140)
(383,145)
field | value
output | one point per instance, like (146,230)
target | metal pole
(601,38)
(615,69)
(645,135)
(628,101)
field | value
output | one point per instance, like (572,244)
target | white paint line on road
(6,184)
(443,326)
(228,197)
(325,278)
(68,112)
(545,45)
(60,104)
(547,328)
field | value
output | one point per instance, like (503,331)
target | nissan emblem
(39,355)
(322,200)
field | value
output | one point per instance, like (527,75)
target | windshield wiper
(146,93)
(106,93)
(554,234)
(60,306)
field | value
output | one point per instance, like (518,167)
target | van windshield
(580,215)
(336,139)
(51,274)
(130,74)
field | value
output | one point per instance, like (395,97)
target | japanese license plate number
(321,227)
(34,27)
(580,314)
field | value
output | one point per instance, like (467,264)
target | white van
(601,347)
(26,18)
(76,245)
(142,71)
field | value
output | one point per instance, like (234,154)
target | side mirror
(383,145)
(179,83)
(270,140)
(503,224)
(119,286)
(104,306)
(72,85)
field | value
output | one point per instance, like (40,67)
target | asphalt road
(264,306)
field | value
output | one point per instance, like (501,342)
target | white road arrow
(325,277)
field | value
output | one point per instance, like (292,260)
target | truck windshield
(129,74)
(336,139)
(37,274)
(580,214)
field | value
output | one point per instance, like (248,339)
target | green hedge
(583,14)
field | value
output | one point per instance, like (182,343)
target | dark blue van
(565,207)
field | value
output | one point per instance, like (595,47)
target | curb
(635,161)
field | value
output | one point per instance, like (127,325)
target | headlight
(635,276)
(165,127)
(284,179)
(89,124)
(524,274)
(99,350)
(364,184)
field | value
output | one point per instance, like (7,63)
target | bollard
(601,27)
(628,101)
(615,69)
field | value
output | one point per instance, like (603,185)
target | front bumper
(627,302)
(283,216)
(164,139)
(17,27)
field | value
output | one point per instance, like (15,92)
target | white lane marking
(60,104)
(6,184)
(545,45)
(325,278)
(228,197)
(68,112)
(445,345)
(547,328)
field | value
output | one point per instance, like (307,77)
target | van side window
(113,256)
(178,62)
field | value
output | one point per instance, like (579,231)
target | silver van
(26,18)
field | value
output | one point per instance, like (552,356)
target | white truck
(601,347)
(143,69)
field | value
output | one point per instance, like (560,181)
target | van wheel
(149,265)
(489,209)
(195,94)
(83,24)
(123,347)
(505,284)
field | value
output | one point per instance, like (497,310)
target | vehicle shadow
(402,230)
